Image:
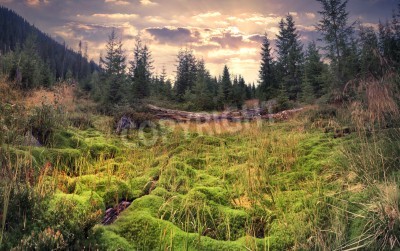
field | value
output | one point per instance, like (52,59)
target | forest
(113,154)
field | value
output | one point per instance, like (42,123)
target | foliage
(43,122)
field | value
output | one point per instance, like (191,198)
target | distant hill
(14,31)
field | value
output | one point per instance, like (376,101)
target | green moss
(149,203)
(73,215)
(68,139)
(197,163)
(104,239)
(111,189)
(209,141)
(138,185)
(161,192)
(177,177)
(102,149)
(292,180)
(207,180)
(290,200)
(150,233)
(232,223)
(67,159)
(216,194)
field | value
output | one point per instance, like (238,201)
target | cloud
(229,40)
(148,3)
(117,2)
(32,3)
(173,35)
(256,38)
(310,15)
(116,16)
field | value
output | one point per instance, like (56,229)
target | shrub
(49,239)
(73,215)
(44,120)
(81,121)
(12,123)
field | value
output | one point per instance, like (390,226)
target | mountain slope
(15,30)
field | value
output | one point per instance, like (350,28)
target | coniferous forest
(114,153)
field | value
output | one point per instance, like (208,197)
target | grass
(214,190)
(214,186)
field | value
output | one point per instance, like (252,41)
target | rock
(111,214)
(30,140)
(124,123)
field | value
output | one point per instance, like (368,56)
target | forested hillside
(21,42)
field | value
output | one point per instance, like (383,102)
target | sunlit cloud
(116,16)
(310,15)
(117,2)
(148,3)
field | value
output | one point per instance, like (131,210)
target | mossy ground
(261,186)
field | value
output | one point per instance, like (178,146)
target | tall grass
(374,158)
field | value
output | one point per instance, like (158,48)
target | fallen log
(233,116)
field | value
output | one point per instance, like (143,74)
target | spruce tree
(267,82)
(226,87)
(140,71)
(203,95)
(185,73)
(114,70)
(290,57)
(336,33)
(369,55)
(314,70)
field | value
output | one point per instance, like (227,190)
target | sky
(219,31)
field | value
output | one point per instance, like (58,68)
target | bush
(44,120)
(49,239)
(12,123)
(81,121)
(74,215)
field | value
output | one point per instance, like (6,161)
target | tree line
(125,83)
(297,74)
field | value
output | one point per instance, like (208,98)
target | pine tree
(267,82)
(290,57)
(226,87)
(140,71)
(369,56)
(202,94)
(314,70)
(185,73)
(307,90)
(114,70)
(28,65)
(336,33)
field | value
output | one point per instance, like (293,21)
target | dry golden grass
(8,94)
(62,94)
